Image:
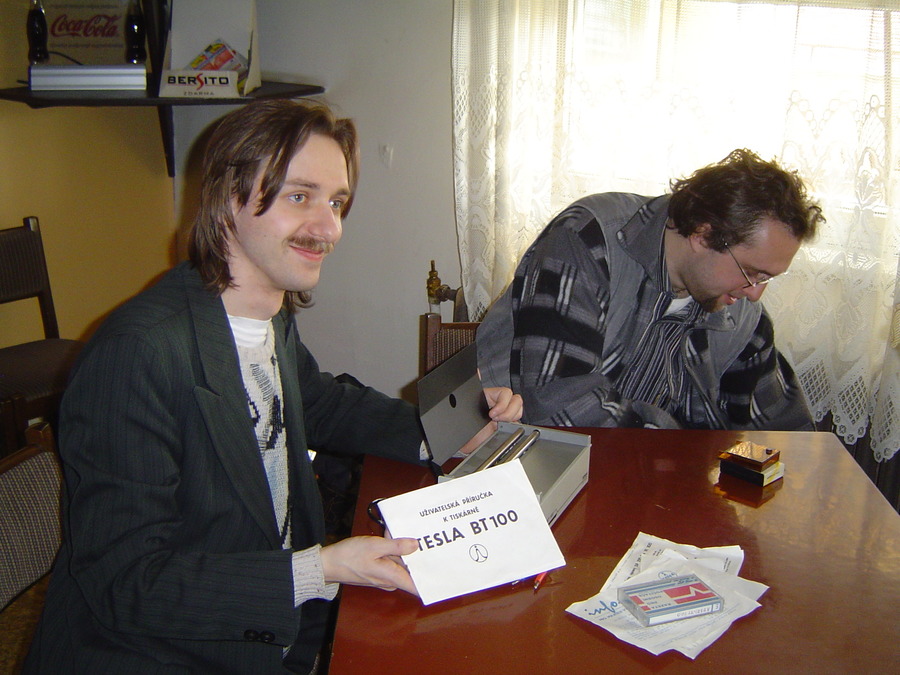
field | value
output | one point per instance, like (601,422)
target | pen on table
(538,580)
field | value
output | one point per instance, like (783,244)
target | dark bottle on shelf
(36,29)
(135,33)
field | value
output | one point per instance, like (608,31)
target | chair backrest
(460,309)
(23,271)
(29,518)
(443,340)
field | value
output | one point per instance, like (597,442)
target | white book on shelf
(86,78)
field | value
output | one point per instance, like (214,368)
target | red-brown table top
(826,542)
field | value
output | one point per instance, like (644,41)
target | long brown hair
(258,139)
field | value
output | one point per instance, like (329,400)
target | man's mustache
(312,244)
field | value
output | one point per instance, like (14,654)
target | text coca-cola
(99,25)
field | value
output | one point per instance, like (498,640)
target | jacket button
(251,635)
(266,636)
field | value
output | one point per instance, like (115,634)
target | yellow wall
(96,178)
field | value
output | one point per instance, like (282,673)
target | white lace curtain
(554,100)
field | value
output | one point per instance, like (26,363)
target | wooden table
(827,543)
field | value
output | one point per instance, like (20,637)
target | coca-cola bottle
(36,29)
(135,33)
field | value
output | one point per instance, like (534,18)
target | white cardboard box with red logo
(212,50)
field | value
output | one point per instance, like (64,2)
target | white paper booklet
(474,532)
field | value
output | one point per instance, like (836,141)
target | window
(555,100)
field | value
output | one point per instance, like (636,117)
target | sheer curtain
(557,99)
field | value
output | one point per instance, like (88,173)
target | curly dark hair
(260,138)
(733,195)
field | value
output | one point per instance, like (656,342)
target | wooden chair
(29,520)
(442,340)
(33,374)
(460,309)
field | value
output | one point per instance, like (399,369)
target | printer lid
(452,407)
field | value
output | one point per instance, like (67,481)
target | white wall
(386,64)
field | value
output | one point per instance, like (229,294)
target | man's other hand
(504,405)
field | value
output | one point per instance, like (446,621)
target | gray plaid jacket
(565,332)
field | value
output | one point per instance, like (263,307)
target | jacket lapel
(307,516)
(223,404)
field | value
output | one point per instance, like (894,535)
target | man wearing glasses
(642,312)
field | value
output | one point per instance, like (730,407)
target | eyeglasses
(761,280)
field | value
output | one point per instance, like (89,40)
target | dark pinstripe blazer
(171,558)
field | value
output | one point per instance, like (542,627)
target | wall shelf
(164,105)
